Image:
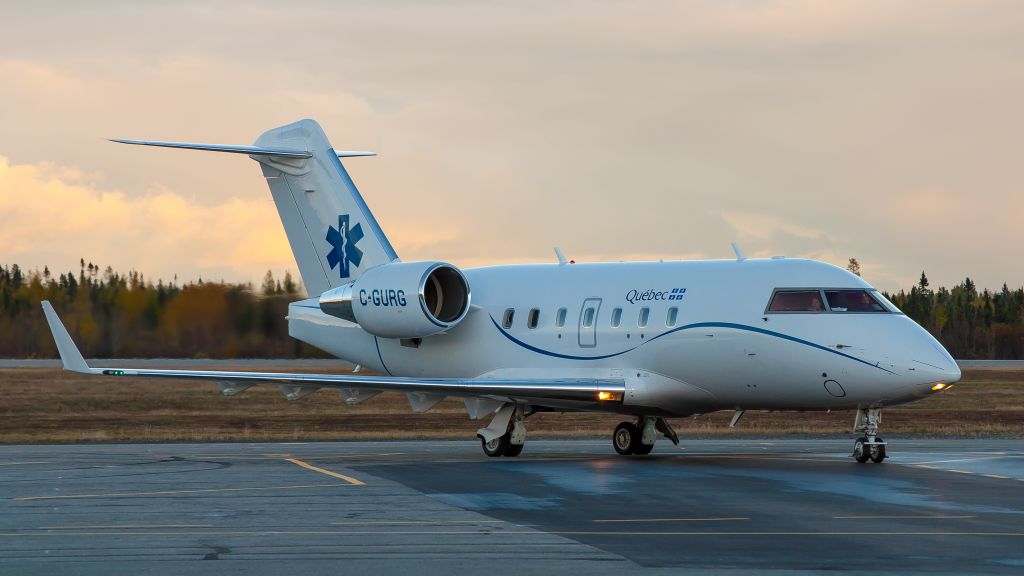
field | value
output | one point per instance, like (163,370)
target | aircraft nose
(944,374)
(954,375)
(934,363)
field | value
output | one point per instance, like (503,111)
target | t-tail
(332,232)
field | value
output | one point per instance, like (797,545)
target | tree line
(112,315)
(971,324)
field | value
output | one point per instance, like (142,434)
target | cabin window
(588,318)
(509,316)
(616,317)
(560,317)
(645,313)
(796,301)
(853,301)
(533,318)
(673,314)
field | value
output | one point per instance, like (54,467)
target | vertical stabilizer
(332,232)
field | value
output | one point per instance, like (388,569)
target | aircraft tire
(626,438)
(495,447)
(643,449)
(877,452)
(860,450)
(512,450)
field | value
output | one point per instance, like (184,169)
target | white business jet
(648,340)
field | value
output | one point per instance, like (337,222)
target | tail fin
(332,232)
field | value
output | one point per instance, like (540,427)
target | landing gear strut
(870,446)
(638,438)
(506,435)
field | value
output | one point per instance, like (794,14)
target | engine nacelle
(402,299)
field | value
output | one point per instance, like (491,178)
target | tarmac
(565,506)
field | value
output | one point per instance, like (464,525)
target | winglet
(69,353)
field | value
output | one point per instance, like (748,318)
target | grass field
(49,405)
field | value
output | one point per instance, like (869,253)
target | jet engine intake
(402,299)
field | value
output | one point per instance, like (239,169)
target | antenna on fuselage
(740,256)
(561,257)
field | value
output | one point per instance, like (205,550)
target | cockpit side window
(886,302)
(853,301)
(796,301)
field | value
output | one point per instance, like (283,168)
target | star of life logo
(344,252)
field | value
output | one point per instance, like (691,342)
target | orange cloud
(52,214)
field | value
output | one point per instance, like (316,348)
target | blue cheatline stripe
(377,342)
(687,327)
(548,353)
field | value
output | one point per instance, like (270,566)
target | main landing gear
(506,434)
(638,438)
(870,446)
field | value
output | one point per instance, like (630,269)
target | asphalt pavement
(564,506)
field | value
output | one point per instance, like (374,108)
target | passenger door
(588,322)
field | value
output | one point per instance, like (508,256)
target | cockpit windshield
(797,301)
(822,300)
(853,301)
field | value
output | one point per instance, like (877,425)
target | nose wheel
(870,446)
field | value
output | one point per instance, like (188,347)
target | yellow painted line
(175,492)
(413,522)
(902,517)
(22,463)
(115,526)
(348,479)
(728,519)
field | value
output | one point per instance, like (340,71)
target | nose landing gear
(870,446)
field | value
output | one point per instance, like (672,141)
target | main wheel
(512,449)
(626,438)
(860,450)
(643,449)
(877,452)
(495,447)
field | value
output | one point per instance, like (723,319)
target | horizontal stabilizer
(250,150)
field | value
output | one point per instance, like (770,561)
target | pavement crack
(216,552)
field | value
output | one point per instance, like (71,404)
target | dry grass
(46,405)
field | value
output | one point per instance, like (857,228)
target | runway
(564,506)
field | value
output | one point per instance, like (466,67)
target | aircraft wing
(594,394)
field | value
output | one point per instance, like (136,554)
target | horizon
(255,285)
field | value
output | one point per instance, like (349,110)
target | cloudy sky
(891,132)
